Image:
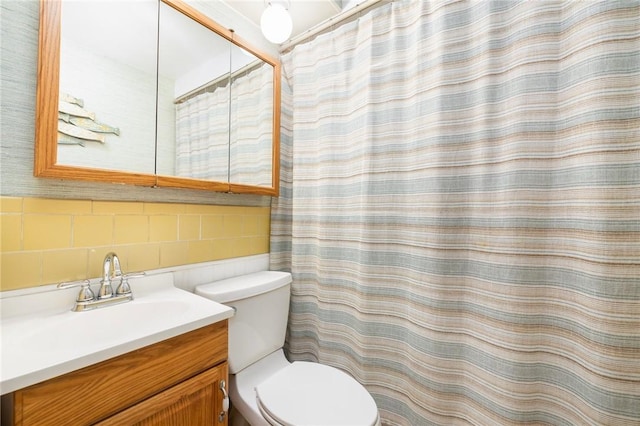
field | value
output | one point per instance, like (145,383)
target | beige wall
(46,241)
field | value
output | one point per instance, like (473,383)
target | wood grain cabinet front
(172,382)
(194,402)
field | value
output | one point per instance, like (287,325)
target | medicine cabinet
(154,93)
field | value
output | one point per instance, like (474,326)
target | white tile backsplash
(188,277)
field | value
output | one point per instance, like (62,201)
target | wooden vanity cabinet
(173,382)
(188,403)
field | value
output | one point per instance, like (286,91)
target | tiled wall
(45,241)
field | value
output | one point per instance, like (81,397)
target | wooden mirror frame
(47,96)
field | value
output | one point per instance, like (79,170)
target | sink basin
(99,327)
(43,344)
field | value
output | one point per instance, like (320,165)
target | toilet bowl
(264,387)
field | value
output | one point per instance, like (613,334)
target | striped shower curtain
(251,126)
(460,209)
(202,136)
(226,134)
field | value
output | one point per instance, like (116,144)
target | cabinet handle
(225,402)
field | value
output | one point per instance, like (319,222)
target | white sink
(98,327)
(45,343)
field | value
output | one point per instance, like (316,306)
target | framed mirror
(154,93)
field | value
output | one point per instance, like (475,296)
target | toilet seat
(307,393)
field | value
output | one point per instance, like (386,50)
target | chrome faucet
(111,268)
(111,271)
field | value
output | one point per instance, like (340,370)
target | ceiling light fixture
(275,22)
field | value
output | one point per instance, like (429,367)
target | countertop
(42,338)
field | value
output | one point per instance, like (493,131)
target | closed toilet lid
(307,393)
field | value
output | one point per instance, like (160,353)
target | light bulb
(276,23)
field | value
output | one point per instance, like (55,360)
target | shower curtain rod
(222,79)
(327,24)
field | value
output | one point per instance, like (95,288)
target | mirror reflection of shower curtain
(228,141)
(202,136)
(251,127)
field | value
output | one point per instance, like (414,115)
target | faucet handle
(124,287)
(85,295)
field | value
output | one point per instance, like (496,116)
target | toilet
(264,387)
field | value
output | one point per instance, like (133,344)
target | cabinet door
(194,402)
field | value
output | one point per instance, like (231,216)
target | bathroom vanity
(162,360)
(176,381)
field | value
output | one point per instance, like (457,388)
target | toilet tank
(261,303)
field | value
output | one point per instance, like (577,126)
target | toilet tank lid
(243,286)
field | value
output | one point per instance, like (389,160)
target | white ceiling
(305,14)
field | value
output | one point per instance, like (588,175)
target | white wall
(120,96)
